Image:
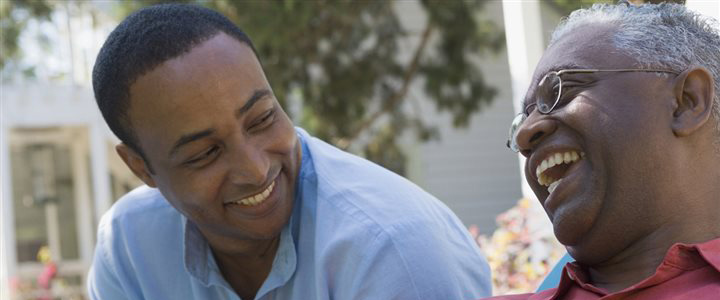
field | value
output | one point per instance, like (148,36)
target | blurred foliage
(14,17)
(565,7)
(345,69)
(349,65)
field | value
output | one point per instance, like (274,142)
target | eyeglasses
(548,95)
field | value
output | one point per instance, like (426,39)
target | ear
(694,91)
(136,163)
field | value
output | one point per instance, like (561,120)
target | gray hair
(659,36)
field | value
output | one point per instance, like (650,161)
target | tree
(342,66)
(14,16)
(565,7)
(342,60)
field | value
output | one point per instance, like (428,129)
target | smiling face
(221,149)
(599,163)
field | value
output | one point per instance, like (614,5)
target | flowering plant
(519,256)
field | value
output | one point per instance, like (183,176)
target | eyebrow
(194,136)
(188,138)
(566,66)
(256,96)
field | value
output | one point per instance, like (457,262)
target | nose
(535,128)
(249,165)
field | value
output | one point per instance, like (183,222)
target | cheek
(615,132)
(193,194)
(622,139)
(284,138)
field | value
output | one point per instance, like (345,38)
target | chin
(272,229)
(568,230)
(590,255)
(573,229)
(591,247)
(575,219)
(261,232)
(265,235)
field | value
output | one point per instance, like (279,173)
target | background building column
(8,260)
(710,8)
(524,37)
(100,173)
(525,46)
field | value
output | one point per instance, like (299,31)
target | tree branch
(396,98)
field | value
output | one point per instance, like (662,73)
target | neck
(641,259)
(247,270)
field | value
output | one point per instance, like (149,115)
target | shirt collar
(710,252)
(679,258)
(305,177)
(196,252)
(284,264)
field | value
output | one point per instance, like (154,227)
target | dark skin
(650,168)
(214,134)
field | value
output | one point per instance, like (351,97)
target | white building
(60,173)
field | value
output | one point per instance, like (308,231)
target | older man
(239,204)
(621,131)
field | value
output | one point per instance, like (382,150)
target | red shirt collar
(679,258)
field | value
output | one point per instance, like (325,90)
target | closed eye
(571,89)
(264,121)
(203,157)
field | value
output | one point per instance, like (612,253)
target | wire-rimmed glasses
(548,95)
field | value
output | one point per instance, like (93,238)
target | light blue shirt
(357,231)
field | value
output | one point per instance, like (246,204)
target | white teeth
(257,198)
(553,185)
(553,160)
(542,168)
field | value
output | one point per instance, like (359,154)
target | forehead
(203,69)
(196,90)
(586,47)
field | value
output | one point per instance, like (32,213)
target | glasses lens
(548,92)
(512,141)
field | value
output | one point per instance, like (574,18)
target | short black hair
(143,41)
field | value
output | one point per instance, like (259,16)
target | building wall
(56,176)
(470,169)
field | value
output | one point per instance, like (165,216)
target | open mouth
(255,199)
(553,168)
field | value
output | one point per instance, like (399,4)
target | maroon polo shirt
(687,272)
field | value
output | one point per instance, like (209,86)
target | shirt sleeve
(102,281)
(418,262)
